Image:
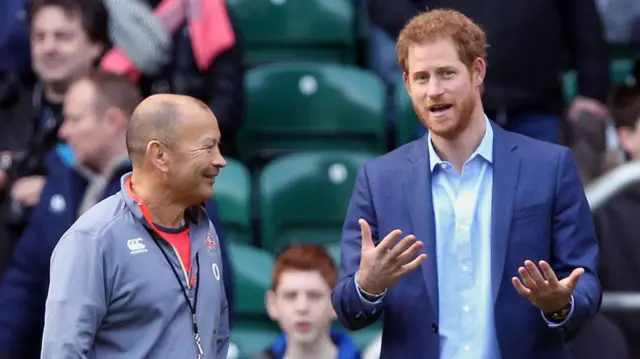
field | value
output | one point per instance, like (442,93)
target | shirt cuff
(565,321)
(367,303)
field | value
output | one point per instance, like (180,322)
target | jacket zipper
(184,270)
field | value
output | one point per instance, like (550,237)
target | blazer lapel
(506,168)
(420,205)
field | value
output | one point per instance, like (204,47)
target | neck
(323,348)
(54,91)
(164,211)
(457,151)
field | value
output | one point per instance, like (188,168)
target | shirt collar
(484,150)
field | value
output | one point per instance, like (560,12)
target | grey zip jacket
(112,293)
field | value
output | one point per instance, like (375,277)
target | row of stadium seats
(309,30)
(298,197)
(314,106)
(301,197)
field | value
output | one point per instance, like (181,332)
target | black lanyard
(192,308)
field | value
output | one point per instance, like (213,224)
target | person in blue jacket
(97,110)
(300,302)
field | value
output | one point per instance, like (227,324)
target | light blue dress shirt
(462,207)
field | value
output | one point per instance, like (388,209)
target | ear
(156,154)
(478,71)
(625,136)
(270,304)
(96,50)
(333,314)
(405,79)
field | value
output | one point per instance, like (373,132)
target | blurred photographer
(67,39)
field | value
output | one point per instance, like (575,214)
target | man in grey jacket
(139,274)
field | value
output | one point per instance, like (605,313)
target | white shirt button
(466,348)
(465,308)
(465,268)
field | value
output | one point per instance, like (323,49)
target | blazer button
(434,327)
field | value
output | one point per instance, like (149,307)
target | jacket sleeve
(23,289)
(392,15)
(227,266)
(575,244)
(224,82)
(353,311)
(589,51)
(77,299)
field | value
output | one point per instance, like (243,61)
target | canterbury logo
(136,246)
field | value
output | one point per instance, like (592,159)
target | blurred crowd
(72,71)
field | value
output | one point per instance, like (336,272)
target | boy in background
(300,301)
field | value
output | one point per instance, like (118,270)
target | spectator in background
(97,110)
(187,47)
(67,40)
(300,301)
(530,43)
(617,224)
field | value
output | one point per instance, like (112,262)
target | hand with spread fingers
(383,265)
(544,289)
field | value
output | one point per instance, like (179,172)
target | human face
(301,304)
(87,133)
(60,47)
(196,159)
(443,90)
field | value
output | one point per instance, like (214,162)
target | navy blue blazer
(539,212)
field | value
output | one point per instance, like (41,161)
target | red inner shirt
(179,240)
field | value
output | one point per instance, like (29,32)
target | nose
(301,304)
(218,159)
(63,131)
(434,87)
(48,44)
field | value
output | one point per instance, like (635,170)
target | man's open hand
(383,265)
(546,292)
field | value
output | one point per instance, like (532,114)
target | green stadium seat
(304,197)
(285,31)
(363,337)
(622,71)
(253,337)
(295,107)
(621,68)
(334,251)
(252,268)
(407,121)
(233,196)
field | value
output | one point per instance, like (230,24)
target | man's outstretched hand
(544,289)
(383,265)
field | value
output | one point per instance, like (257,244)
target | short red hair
(305,257)
(468,37)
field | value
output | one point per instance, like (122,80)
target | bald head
(157,119)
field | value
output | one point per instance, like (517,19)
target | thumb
(574,277)
(365,231)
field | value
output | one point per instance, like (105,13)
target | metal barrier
(598,193)
(610,184)
(628,301)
